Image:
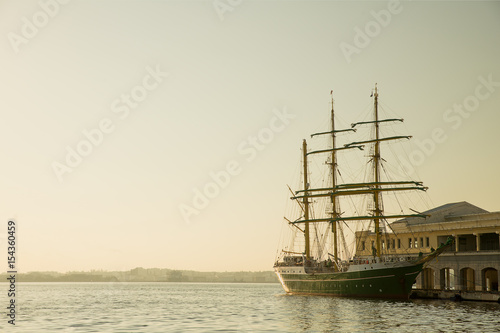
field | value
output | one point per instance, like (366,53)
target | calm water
(210,307)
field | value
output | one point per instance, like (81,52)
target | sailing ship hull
(390,283)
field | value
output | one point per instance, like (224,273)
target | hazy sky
(116,115)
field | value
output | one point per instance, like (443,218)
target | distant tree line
(140,274)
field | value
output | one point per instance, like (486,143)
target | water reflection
(331,314)
(191,307)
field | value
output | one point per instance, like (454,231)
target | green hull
(393,283)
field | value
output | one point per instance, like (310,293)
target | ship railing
(288,264)
(373,260)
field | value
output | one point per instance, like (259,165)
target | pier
(456,295)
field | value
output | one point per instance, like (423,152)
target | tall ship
(311,263)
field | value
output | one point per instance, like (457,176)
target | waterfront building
(473,262)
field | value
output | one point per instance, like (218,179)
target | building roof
(444,212)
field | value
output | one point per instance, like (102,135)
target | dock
(456,295)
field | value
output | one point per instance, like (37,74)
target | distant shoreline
(187,282)
(140,274)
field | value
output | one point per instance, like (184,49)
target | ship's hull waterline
(389,283)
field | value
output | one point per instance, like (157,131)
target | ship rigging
(303,272)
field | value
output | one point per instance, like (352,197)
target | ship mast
(377,211)
(306,201)
(334,184)
(335,216)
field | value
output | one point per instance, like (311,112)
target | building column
(456,242)
(478,242)
(437,277)
(458,285)
(478,279)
